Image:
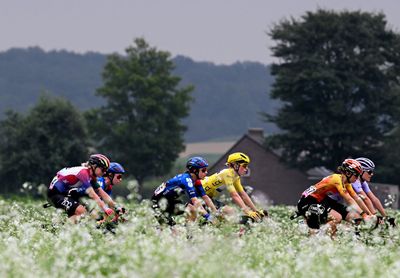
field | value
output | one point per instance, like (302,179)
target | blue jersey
(176,187)
(101,182)
(198,186)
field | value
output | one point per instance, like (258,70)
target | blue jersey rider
(167,198)
(112,177)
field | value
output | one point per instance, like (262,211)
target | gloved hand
(120,210)
(253,215)
(108,211)
(208,217)
(262,213)
(365,216)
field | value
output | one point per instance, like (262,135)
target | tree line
(26,73)
(338,80)
(139,125)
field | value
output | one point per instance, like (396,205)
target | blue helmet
(116,168)
(196,162)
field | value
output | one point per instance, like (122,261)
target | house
(279,183)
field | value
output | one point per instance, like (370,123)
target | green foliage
(33,147)
(228,98)
(38,242)
(336,77)
(389,169)
(25,73)
(140,125)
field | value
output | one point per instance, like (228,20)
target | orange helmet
(352,166)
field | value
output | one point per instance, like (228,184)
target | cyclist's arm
(203,195)
(247,200)
(359,201)
(190,190)
(106,198)
(351,202)
(209,203)
(351,197)
(238,201)
(96,198)
(377,203)
(367,201)
(197,204)
(244,196)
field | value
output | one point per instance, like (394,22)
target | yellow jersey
(227,177)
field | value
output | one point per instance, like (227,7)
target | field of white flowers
(36,242)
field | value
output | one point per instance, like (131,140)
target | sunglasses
(118,177)
(370,172)
(204,170)
(244,165)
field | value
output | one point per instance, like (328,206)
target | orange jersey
(329,186)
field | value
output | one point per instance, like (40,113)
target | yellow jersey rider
(237,164)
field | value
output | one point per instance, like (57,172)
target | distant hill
(227,99)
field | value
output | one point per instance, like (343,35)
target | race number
(309,191)
(189,182)
(160,189)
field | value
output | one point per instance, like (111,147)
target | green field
(36,242)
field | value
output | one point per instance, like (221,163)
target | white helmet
(366,164)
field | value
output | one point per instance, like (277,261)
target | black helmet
(99,160)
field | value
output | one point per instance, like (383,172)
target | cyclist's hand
(253,215)
(120,210)
(108,211)
(262,213)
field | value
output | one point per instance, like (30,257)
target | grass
(37,242)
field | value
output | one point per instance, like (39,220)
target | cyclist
(74,180)
(361,186)
(237,166)
(167,198)
(317,207)
(112,177)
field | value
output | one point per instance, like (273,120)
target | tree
(140,124)
(336,77)
(34,147)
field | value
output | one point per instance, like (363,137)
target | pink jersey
(73,177)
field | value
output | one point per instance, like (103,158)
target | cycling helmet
(99,160)
(196,162)
(366,164)
(352,166)
(116,168)
(238,158)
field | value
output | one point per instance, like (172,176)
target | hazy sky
(217,31)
